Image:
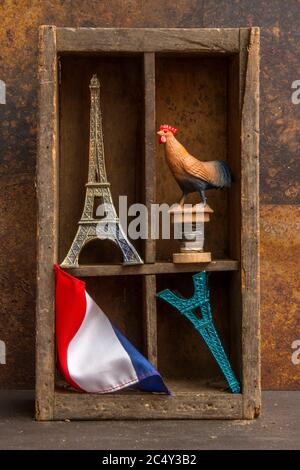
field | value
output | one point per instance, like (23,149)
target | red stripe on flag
(70,303)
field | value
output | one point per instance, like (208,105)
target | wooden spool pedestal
(192,251)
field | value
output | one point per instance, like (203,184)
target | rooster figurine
(192,174)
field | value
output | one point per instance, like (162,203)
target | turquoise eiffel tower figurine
(204,325)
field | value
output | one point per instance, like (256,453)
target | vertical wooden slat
(150,318)
(236,88)
(150,136)
(243,59)
(47,189)
(250,232)
(234,211)
(150,321)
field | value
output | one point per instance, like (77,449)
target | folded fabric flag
(92,354)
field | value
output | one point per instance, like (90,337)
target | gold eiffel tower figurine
(98,186)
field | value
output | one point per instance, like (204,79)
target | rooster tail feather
(226,177)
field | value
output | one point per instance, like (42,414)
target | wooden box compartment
(122,109)
(192,95)
(121,298)
(182,355)
(205,82)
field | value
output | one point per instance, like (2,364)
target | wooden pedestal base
(192,257)
(193,239)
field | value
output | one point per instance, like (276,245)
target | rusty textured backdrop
(280,184)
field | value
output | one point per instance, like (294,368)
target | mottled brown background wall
(280,185)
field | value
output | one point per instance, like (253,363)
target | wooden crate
(205,81)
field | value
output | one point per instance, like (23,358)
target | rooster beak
(160,133)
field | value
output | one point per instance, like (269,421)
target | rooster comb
(166,127)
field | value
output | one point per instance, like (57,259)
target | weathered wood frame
(242,45)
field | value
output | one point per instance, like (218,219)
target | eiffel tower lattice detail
(98,186)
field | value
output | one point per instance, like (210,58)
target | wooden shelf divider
(151,268)
(149,166)
(150,319)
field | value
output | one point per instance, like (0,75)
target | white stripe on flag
(97,361)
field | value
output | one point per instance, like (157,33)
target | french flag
(92,354)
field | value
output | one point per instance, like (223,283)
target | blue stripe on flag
(149,379)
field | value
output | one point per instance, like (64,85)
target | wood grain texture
(148,40)
(236,77)
(150,147)
(150,319)
(243,61)
(201,257)
(250,232)
(156,268)
(182,405)
(47,185)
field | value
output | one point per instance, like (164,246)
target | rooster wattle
(190,173)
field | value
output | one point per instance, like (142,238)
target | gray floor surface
(277,428)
